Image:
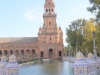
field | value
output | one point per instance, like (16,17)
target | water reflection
(47,67)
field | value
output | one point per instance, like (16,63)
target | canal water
(47,67)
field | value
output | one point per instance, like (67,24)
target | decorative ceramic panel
(80,71)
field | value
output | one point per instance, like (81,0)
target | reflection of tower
(50,36)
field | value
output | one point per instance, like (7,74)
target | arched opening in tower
(46,10)
(60,53)
(50,53)
(49,10)
(42,55)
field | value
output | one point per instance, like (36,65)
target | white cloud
(35,15)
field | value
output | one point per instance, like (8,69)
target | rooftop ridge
(18,37)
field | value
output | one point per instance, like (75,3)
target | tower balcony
(49,15)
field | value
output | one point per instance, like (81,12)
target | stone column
(38,54)
(56,53)
(75,71)
(85,71)
(8,53)
(46,55)
(31,53)
(2,52)
(25,54)
(14,52)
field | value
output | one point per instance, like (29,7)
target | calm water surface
(47,67)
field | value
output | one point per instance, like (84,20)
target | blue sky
(22,18)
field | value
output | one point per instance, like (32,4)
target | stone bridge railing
(72,59)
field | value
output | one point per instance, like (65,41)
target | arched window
(11,52)
(22,52)
(0,52)
(46,10)
(5,52)
(50,38)
(49,23)
(33,51)
(49,9)
(52,10)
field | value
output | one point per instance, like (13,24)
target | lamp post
(76,47)
(94,45)
(87,52)
(69,53)
(74,54)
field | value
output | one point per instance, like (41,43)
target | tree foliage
(98,38)
(80,31)
(95,8)
(74,33)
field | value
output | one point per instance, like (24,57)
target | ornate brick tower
(50,37)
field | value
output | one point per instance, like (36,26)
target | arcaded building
(48,44)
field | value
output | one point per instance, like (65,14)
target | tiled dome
(80,60)
(90,55)
(3,58)
(3,61)
(79,55)
(90,58)
(12,58)
(12,62)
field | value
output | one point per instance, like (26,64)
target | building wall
(20,49)
(54,53)
(31,50)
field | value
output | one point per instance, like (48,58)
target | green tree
(65,50)
(80,31)
(98,38)
(88,29)
(95,8)
(74,33)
